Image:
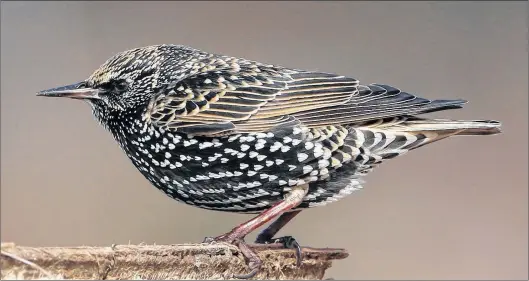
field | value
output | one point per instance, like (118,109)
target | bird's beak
(74,91)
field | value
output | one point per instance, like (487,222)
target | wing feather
(245,96)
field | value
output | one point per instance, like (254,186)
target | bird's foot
(254,262)
(288,242)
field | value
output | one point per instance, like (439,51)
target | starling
(236,135)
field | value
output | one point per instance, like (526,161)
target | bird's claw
(208,240)
(288,242)
(254,262)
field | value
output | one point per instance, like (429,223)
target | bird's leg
(236,235)
(266,236)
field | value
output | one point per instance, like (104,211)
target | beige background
(454,210)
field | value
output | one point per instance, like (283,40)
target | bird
(231,134)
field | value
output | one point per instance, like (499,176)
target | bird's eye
(114,86)
(121,86)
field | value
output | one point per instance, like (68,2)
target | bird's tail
(453,127)
(385,140)
(437,129)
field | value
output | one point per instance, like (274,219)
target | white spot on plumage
(234,137)
(272,178)
(261,157)
(171,146)
(217,143)
(285,148)
(263,192)
(212,158)
(243,166)
(257,167)
(282,182)
(177,183)
(277,145)
(279,161)
(260,144)
(291,167)
(205,144)
(253,154)
(302,157)
(230,151)
(251,173)
(318,151)
(269,163)
(296,142)
(167,155)
(296,131)
(201,177)
(327,153)
(307,169)
(245,147)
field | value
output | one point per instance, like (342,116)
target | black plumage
(231,134)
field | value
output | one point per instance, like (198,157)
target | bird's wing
(374,102)
(253,97)
(210,102)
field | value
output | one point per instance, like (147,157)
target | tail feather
(386,140)
(452,127)
(437,129)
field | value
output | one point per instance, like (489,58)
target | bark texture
(143,262)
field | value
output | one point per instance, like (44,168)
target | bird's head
(126,80)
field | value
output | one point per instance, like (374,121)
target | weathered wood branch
(185,261)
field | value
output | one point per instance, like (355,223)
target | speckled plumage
(231,134)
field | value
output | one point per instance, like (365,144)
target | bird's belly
(250,172)
(224,190)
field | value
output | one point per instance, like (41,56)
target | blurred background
(456,209)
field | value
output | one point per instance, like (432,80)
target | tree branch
(185,261)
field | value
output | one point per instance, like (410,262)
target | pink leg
(236,235)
